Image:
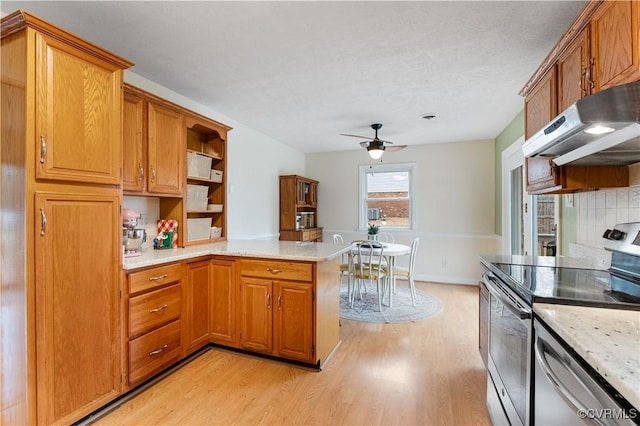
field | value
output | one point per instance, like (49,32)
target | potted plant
(372,232)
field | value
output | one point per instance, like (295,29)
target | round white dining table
(390,251)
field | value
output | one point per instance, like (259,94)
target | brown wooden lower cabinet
(277,308)
(209,304)
(285,309)
(154,309)
(544,177)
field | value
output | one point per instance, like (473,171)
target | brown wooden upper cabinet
(298,209)
(154,145)
(615,43)
(601,49)
(76,141)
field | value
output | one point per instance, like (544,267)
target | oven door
(509,353)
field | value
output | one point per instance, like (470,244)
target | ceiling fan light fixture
(375,151)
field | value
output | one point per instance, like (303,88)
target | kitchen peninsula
(274,298)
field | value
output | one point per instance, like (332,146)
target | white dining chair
(385,237)
(344,260)
(370,270)
(407,273)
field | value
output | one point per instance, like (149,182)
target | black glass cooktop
(570,285)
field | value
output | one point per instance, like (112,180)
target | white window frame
(386,168)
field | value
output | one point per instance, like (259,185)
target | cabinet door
(293,321)
(222,293)
(166,150)
(256,313)
(574,71)
(541,174)
(78,349)
(78,115)
(540,104)
(197,297)
(133,122)
(616,43)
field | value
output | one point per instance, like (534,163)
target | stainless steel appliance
(600,129)
(565,392)
(509,357)
(132,238)
(515,285)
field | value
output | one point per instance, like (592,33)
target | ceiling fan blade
(356,136)
(395,148)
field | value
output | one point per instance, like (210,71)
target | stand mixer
(132,238)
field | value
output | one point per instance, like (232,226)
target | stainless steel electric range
(514,284)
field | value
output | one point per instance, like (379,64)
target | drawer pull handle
(140,172)
(157,351)
(274,271)
(43,222)
(153,311)
(159,277)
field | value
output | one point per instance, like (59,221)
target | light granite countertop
(608,339)
(269,249)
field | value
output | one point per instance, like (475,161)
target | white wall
(454,210)
(255,162)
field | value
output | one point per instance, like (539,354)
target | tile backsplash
(602,209)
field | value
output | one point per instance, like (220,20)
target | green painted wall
(568,224)
(568,215)
(509,135)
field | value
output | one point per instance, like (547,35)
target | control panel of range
(624,238)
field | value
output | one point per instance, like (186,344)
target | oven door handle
(517,311)
(541,348)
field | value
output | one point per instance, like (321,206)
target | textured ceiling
(303,72)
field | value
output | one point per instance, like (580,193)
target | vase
(372,237)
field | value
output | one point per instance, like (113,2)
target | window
(386,196)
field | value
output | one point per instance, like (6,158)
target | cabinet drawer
(162,275)
(150,310)
(152,352)
(277,270)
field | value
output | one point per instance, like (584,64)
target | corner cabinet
(61,150)
(298,209)
(161,140)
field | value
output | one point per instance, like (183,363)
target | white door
(516,214)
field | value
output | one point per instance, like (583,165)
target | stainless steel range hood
(600,129)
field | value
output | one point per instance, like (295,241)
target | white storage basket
(198,229)
(198,165)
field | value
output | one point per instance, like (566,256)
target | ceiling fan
(376,146)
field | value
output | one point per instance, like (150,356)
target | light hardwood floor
(428,372)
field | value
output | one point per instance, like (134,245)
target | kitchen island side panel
(327,308)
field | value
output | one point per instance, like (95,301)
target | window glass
(386,194)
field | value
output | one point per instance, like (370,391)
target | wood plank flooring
(423,373)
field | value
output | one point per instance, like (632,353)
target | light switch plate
(568,200)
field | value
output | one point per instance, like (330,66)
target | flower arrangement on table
(373,229)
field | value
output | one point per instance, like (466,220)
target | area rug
(427,306)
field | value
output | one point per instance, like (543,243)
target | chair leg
(412,287)
(380,294)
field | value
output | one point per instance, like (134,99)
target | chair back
(337,239)
(385,237)
(368,261)
(412,255)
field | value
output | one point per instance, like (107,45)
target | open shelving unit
(206,144)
